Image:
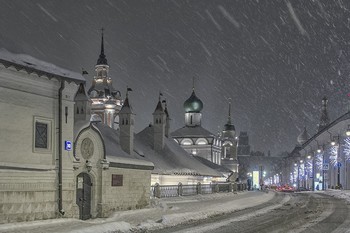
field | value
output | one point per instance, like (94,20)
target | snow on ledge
(31,64)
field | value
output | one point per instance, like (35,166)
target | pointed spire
(159,107)
(193,83)
(229,126)
(229,110)
(102,60)
(126,108)
(324,120)
(165,107)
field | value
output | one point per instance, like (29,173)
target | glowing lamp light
(309,156)
(301,161)
(333,143)
(348,131)
(319,150)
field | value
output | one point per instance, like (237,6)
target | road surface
(288,212)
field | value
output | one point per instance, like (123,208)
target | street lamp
(348,131)
(336,139)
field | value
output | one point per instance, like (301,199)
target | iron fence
(161,191)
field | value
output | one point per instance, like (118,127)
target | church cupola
(193,107)
(82,106)
(303,137)
(324,120)
(126,125)
(159,122)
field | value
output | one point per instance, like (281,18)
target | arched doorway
(84,195)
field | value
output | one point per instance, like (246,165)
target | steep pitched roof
(173,159)
(113,150)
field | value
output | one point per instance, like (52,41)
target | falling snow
(274,59)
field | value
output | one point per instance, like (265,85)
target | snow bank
(343,194)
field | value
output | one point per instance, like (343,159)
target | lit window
(186,142)
(201,141)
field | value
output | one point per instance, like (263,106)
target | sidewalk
(161,213)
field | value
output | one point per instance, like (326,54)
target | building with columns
(321,161)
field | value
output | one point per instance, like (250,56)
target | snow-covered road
(221,212)
(162,213)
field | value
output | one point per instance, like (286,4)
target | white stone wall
(28,177)
(27,195)
(134,194)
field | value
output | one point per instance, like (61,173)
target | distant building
(243,148)
(229,146)
(320,161)
(195,139)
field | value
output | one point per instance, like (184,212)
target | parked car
(287,188)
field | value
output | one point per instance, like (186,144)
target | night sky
(274,59)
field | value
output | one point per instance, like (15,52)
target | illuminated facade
(322,160)
(195,139)
(106,100)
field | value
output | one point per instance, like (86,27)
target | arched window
(201,141)
(186,142)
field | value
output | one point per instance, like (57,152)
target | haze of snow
(274,59)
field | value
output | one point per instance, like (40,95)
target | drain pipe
(60,209)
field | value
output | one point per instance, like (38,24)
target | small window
(42,135)
(117,180)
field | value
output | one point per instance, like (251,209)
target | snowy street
(222,212)
(297,212)
(163,213)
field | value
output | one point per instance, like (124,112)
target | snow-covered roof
(192,131)
(114,152)
(173,159)
(212,165)
(33,65)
